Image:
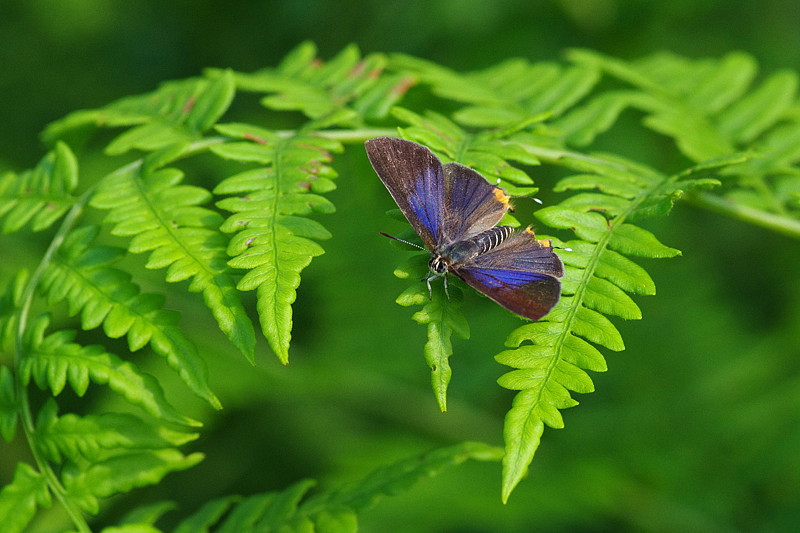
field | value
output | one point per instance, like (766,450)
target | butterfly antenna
(402,240)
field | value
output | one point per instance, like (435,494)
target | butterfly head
(438,264)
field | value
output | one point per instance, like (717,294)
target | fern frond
(511,92)
(163,217)
(82,275)
(208,515)
(88,482)
(401,476)
(345,91)
(273,237)
(178,112)
(20,498)
(597,277)
(41,195)
(333,510)
(712,109)
(442,317)
(91,436)
(53,361)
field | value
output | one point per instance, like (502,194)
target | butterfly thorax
(451,255)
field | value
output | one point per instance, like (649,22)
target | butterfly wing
(415,179)
(521,274)
(443,203)
(471,204)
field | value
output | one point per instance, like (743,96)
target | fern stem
(779,224)
(26,416)
(345,136)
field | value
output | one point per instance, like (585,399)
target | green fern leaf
(91,436)
(88,483)
(270,511)
(208,515)
(8,405)
(41,195)
(398,477)
(345,91)
(332,510)
(147,515)
(273,239)
(81,273)
(20,498)
(581,125)
(164,218)
(507,93)
(754,114)
(596,279)
(53,361)
(178,112)
(442,317)
(710,110)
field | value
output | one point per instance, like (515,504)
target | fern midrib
(588,273)
(278,166)
(173,232)
(101,292)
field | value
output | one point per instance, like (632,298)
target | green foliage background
(695,426)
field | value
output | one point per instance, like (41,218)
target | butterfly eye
(437,264)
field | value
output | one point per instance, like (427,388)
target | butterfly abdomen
(491,238)
(462,251)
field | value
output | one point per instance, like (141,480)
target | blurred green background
(694,428)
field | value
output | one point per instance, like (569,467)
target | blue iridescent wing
(521,274)
(415,179)
(443,203)
(471,204)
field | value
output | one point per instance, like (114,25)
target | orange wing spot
(547,243)
(501,196)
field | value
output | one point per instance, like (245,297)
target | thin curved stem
(26,416)
(777,223)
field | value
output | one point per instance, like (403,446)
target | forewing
(521,274)
(415,179)
(471,204)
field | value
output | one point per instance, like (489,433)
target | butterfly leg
(428,284)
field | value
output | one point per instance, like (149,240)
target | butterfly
(455,210)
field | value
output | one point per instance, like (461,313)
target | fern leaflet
(20,498)
(709,109)
(597,276)
(442,317)
(52,361)
(273,238)
(346,91)
(514,92)
(82,275)
(41,195)
(148,204)
(177,113)
(90,436)
(333,510)
(105,476)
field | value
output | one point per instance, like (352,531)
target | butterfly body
(451,256)
(455,210)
